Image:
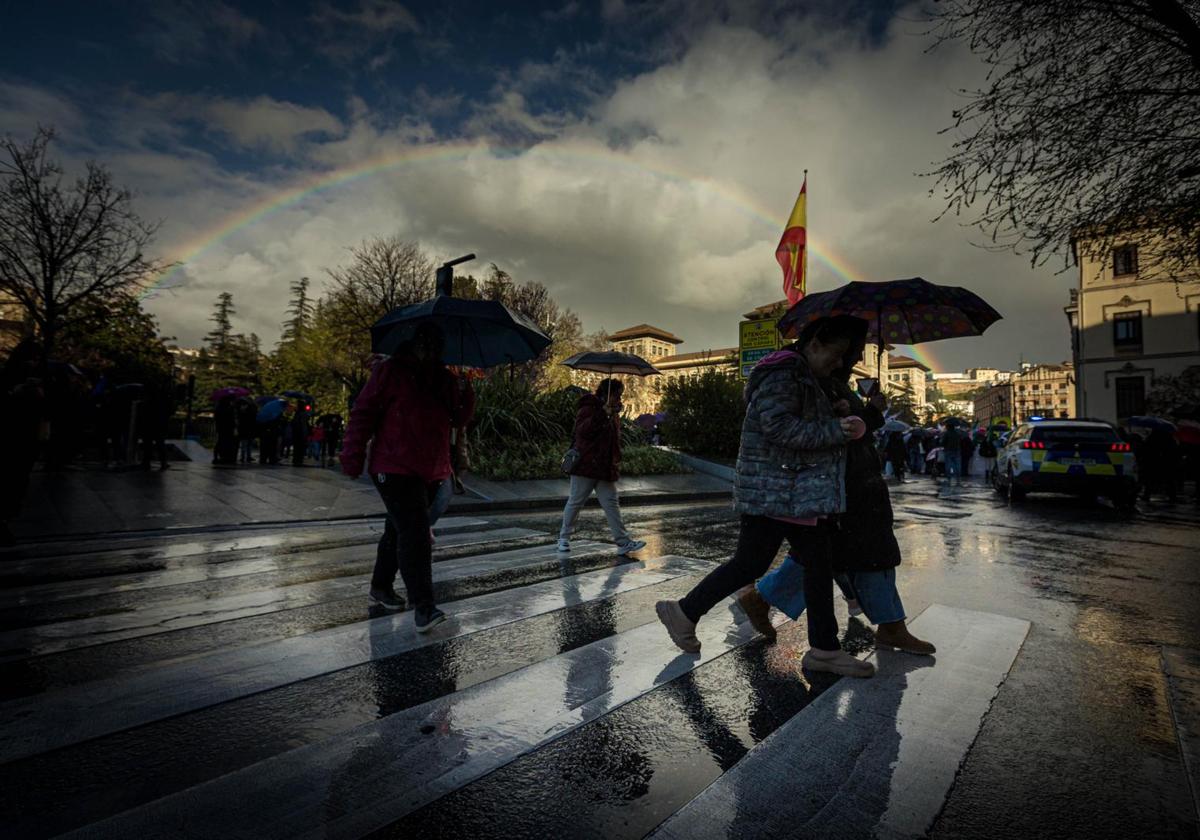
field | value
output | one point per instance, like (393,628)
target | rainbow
(457,152)
(430,155)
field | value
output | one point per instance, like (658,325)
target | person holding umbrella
(597,440)
(790,483)
(405,412)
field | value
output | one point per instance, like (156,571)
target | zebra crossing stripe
(868,758)
(32,725)
(161,617)
(374,774)
(217,569)
(207,553)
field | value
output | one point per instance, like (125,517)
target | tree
(228,358)
(300,307)
(382,274)
(115,337)
(903,406)
(1087,123)
(218,338)
(704,414)
(1176,396)
(63,245)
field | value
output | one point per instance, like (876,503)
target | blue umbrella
(271,411)
(479,333)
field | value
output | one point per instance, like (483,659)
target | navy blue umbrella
(479,333)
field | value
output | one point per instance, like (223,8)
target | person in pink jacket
(405,412)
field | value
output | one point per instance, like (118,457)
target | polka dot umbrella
(911,311)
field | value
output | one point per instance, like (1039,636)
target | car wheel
(997,486)
(1015,493)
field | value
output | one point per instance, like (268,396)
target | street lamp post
(445,275)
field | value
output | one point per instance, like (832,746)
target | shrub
(704,414)
(509,411)
(529,460)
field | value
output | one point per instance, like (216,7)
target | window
(1124,260)
(1127,330)
(1131,396)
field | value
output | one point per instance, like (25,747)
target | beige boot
(836,662)
(895,635)
(758,611)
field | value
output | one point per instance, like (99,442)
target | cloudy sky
(637,158)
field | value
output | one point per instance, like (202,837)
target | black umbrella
(479,333)
(611,362)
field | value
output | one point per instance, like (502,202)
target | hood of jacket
(772,362)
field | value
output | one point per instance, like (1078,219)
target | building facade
(1042,390)
(907,375)
(1131,324)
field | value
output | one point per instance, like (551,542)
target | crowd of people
(248,433)
(948,449)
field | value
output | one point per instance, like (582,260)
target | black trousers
(405,544)
(758,542)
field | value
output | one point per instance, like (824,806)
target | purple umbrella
(910,311)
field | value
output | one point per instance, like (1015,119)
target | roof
(906,362)
(767,310)
(644,330)
(716,356)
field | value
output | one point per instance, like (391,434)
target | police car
(1082,457)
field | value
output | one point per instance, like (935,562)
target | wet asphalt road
(1080,740)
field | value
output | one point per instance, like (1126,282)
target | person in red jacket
(406,411)
(598,440)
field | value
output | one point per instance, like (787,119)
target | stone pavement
(196,495)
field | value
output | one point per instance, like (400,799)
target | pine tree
(218,338)
(300,307)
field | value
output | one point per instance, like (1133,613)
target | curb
(557,502)
(468,506)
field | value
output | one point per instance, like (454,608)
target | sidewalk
(196,495)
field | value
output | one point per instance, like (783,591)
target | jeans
(245,449)
(441,500)
(916,462)
(759,540)
(875,591)
(606,494)
(405,546)
(953,465)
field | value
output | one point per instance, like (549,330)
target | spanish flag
(792,252)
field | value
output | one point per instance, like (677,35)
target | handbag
(570,460)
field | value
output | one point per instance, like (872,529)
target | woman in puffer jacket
(406,411)
(790,483)
(865,551)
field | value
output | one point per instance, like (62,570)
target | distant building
(1037,390)
(14,324)
(646,341)
(951,385)
(1130,325)
(908,376)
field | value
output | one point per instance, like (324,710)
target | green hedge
(704,414)
(531,460)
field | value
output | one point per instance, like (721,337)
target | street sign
(756,339)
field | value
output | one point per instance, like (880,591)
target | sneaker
(426,618)
(630,547)
(758,611)
(836,662)
(853,607)
(564,545)
(386,598)
(681,630)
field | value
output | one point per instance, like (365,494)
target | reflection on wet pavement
(561,710)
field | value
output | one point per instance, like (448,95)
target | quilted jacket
(792,458)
